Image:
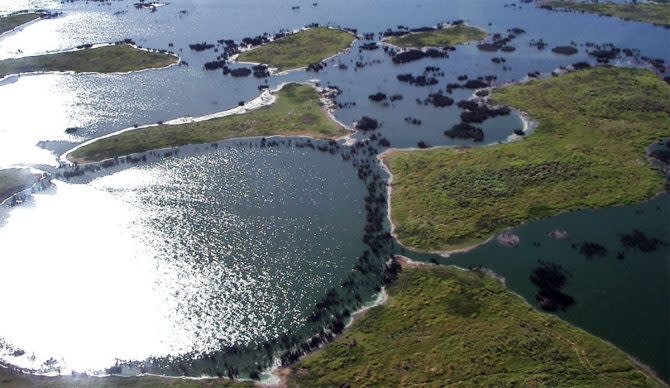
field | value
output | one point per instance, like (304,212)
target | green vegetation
(10,22)
(296,112)
(11,379)
(105,59)
(450,36)
(658,14)
(301,49)
(445,327)
(587,152)
(13,180)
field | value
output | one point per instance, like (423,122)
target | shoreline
(98,45)
(266,98)
(25,192)
(24,25)
(279,374)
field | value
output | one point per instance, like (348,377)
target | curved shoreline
(274,70)
(25,193)
(266,98)
(24,25)
(529,125)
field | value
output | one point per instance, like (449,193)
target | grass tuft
(449,36)
(301,49)
(10,22)
(105,59)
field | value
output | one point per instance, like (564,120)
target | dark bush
(367,124)
(465,131)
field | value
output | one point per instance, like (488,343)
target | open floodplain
(187,207)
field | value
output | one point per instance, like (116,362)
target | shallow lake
(186,254)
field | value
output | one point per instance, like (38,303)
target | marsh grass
(588,152)
(105,59)
(10,22)
(449,36)
(442,326)
(301,49)
(658,14)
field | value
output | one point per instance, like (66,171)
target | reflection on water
(81,287)
(60,33)
(187,254)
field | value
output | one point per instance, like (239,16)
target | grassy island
(296,112)
(654,13)
(587,152)
(442,326)
(105,59)
(13,180)
(448,36)
(10,22)
(301,49)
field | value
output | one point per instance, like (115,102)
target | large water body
(247,242)
(101,104)
(182,255)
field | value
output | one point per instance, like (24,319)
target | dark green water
(625,301)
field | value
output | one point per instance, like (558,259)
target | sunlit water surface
(187,254)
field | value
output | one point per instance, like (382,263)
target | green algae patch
(448,36)
(10,22)
(297,111)
(653,13)
(442,326)
(300,49)
(119,58)
(587,152)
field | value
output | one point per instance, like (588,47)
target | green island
(297,111)
(13,379)
(301,49)
(442,326)
(587,152)
(10,22)
(105,59)
(13,180)
(657,13)
(448,36)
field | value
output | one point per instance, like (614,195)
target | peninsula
(297,111)
(588,152)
